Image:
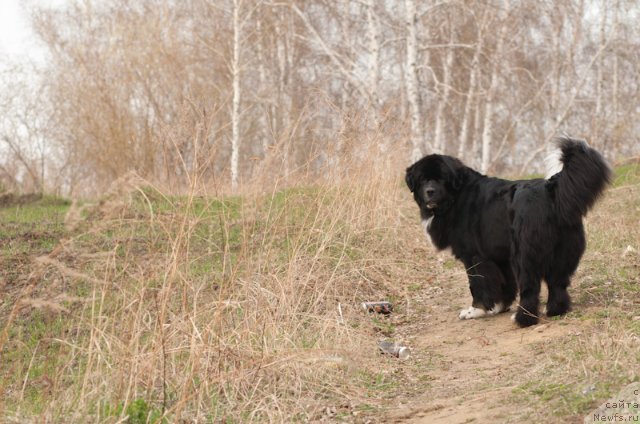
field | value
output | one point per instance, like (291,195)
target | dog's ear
(455,173)
(410,178)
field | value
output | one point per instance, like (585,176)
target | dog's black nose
(430,192)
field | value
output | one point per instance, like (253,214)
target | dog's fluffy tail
(583,178)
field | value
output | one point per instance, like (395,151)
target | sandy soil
(471,366)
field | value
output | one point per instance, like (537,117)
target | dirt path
(477,364)
(471,366)
(490,371)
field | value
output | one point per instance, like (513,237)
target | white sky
(15,32)
(17,41)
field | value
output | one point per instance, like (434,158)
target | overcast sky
(14,29)
(16,38)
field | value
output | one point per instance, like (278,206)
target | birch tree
(373,30)
(411,79)
(491,98)
(445,89)
(235,106)
(345,57)
(599,80)
(616,65)
(300,84)
(470,98)
(262,77)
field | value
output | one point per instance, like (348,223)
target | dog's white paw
(513,317)
(471,313)
(497,308)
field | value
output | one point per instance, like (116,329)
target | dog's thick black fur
(510,235)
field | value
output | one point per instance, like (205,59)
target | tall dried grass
(198,308)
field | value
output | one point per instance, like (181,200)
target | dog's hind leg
(567,255)
(529,286)
(559,302)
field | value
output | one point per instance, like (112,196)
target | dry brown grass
(599,356)
(200,309)
(245,309)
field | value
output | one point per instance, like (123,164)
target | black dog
(511,234)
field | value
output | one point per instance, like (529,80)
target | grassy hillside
(191,307)
(164,308)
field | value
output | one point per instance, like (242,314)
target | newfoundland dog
(511,234)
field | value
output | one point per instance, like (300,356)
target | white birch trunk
(444,98)
(411,80)
(599,77)
(468,105)
(281,63)
(291,126)
(615,83)
(487,129)
(283,124)
(470,100)
(554,94)
(477,131)
(235,106)
(262,81)
(487,126)
(345,23)
(373,29)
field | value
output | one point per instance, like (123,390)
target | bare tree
(411,79)
(470,97)
(24,145)
(230,89)
(373,34)
(492,93)
(445,88)
(599,80)
(235,106)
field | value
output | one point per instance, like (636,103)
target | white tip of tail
(552,162)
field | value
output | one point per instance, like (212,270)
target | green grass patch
(136,412)
(628,174)
(563,399)
(377,384)
(32,227)
(34,359)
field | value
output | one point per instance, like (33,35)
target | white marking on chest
(426,224)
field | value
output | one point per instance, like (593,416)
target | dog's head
(434,181)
